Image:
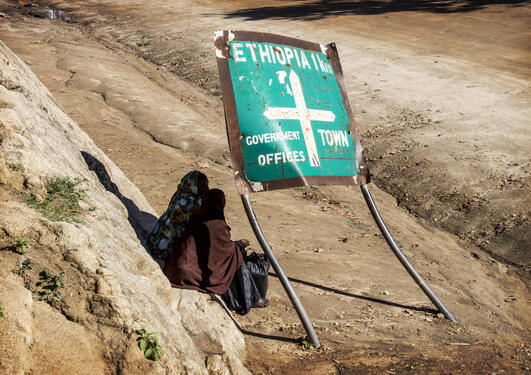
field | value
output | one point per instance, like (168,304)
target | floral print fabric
(171,225)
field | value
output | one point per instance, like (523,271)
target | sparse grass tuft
(16,167)
(61,202)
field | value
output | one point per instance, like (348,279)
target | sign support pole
(401,257)
(276,266)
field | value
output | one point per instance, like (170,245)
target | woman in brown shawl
(206,259)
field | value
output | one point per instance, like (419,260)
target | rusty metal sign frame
(243,185)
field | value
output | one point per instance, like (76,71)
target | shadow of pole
(246,332)
(365,298)
(322,287)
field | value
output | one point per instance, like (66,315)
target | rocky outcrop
(111,287)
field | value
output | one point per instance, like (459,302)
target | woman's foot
(262,302)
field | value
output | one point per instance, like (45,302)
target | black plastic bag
(258,265)
(243,292)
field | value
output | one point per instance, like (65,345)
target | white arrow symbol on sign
(304,115)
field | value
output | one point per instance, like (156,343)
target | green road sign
(291,124)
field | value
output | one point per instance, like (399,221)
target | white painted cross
(304,115)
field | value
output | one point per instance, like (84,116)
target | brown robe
(205,258)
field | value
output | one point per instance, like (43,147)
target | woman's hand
(244,242)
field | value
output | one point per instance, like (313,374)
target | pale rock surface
(112,286)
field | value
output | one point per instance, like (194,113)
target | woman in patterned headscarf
(206,259)
(171,225)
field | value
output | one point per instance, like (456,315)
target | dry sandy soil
(441,97)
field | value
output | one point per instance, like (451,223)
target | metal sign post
(400,255)
(289,123)
(281,275)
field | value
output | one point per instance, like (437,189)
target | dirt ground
(441,97)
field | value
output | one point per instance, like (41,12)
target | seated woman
(171,225)
(206,259)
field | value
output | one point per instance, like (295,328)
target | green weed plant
(50,284)
(26,265)
(306,343)
(17,245)
(149,345)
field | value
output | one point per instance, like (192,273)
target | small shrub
(16,167)
(50,284)
(26,265)
(17,245)
(1,312)
(61,202)
(149,345)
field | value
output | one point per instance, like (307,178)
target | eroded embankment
(75,280)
